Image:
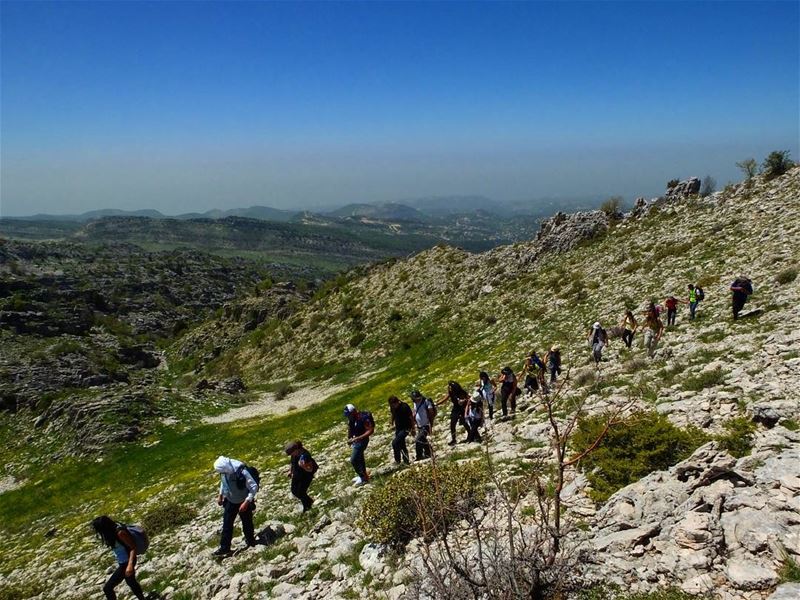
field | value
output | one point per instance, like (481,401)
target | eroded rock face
(684,189)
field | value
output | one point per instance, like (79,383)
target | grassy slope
(553,301)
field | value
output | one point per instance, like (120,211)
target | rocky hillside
(713,523)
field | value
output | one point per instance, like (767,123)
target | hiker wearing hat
(424,414)
(301,470)
(403,421)
(473,414)
(360,426)
(237,495)
(553,361)
(598,338)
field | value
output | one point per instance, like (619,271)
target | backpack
(139,536)
(434,410)
(310,459)
(240,480)
(699,294)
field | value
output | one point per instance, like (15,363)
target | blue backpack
(139,536)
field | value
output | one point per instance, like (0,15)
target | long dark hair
(483,376)
(105,528)
(454,390)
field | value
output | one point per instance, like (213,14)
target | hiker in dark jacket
(553,361)
(117,537)
(508,390)
(360,426)
(533,369)
(424,414)
(597,339)
(458,397)
(237,496)
(301,470)
(403,421)
(741,289)
(473,414)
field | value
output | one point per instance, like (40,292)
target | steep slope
(444,314)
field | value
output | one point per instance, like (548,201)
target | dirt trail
(267,405)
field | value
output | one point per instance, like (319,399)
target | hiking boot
(222,553)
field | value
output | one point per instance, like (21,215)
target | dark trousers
(507,392)
(421,443)
(671,312)
(627,337)
(399,446)
(357,458)
(491,410)
(300,485)
(473,426)
(116,578)
(456,417)
(738,303)
(231,509)
(555,370)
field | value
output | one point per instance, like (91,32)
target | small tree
(749,167)
(709,186)
(672,183)
(612,207)
(776,164)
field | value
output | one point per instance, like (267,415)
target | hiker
(672,309)
(553,361)
(117,537)
(360,425)
(598,338)
(301,470)
(628,325)
(533,368)
(403,421)
(488,389)
(508,390)
(424,413)
(741,289)
(458,397)
(473,414)
(696,295)
(237,495)
(653,329)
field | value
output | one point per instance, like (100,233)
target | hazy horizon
(186,107)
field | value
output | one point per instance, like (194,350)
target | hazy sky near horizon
(189,106)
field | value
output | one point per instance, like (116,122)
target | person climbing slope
(403,421)
(121,541)
(533,369)
(424,413)
(553,361)
(473,414)
(508,390)
(741,290)
(653,330)
(458,397)
(629,325)
(696,295)
(360,426)
(488,389)
(598,338)
(237,496)
(672,309)
(302,468)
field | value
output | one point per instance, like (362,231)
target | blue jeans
(692,309)
(357,458)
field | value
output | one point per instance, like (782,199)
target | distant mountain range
(418,210)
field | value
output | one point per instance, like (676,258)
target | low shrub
(643,443)
(166,517)
(703,380)
(790,570)
(281,389)
(356,340)
(422,501)
(738,436)
(776,164)
(787,276)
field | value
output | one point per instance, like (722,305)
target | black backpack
(699,294)
(240,479)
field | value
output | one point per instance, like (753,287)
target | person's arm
(369,429)
(126,538)
(252,490)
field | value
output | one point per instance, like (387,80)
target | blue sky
(189,106)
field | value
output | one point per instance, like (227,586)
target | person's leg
(134,585)
(396,445)
(514,401)
(491,410)
(357,460)
(304,484)
(403,446)
(228,517)
(116,577)
(692,310)
(247,525)
(504,400)
(454,415)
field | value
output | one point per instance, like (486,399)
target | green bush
(643,443)
(166,517)
(787,276)
(703,380)
(776,164)
(612,207)
(738,436)
(356,340)
(790,570)
(422,501)
(281,389)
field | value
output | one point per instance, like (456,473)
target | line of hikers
(239,482)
